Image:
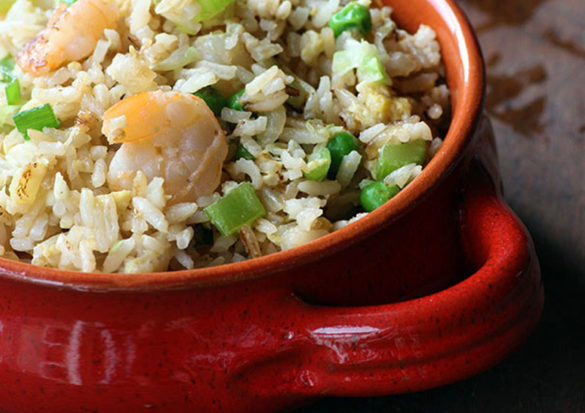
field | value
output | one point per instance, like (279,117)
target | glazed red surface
(260,346)
(437,285)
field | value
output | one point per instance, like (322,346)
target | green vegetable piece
(35,118)
(233,102)
(242,152)
(203,236)
(12,91)
(69,2)
(178,59)
(238,207)
(213,98)
(376,194)
(12,87)
(5,5)
(363,57)
(392,157)
(352,16)
(7,64)
(210,8)
(318,165)
(340,145)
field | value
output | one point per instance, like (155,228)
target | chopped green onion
(340,145)
(213,98)
(233,102)
(318,165)
(35,118)
(376,194)
(352,16)
(69,2)
(242,152)
(392,157)
(238,207)
(203,236)
(12,91)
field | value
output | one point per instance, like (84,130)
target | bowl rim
(459,134)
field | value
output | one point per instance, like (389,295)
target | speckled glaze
(440,283)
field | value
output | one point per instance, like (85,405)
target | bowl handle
(439,338)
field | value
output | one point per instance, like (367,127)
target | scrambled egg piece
(375,104)
(382,105)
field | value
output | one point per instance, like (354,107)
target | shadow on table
(546,375)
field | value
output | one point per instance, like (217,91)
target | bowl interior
(465,77)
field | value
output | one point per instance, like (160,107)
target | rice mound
(56,207)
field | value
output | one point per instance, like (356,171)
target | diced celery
(238,207)
(392,157)
(178,59)
(5,5)
(318,165)
(210,8)
(362,56)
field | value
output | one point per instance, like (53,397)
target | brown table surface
(535,57)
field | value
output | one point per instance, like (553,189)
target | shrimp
(168,134)
(71,34)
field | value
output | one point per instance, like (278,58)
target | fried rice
(58,206)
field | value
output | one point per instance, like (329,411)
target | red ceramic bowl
(436,285)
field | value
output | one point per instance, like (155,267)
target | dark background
(535,57)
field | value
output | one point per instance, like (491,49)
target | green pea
(376,194)
(352,16)
(233,102)
(213,98)
(340,145)
(242,152)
